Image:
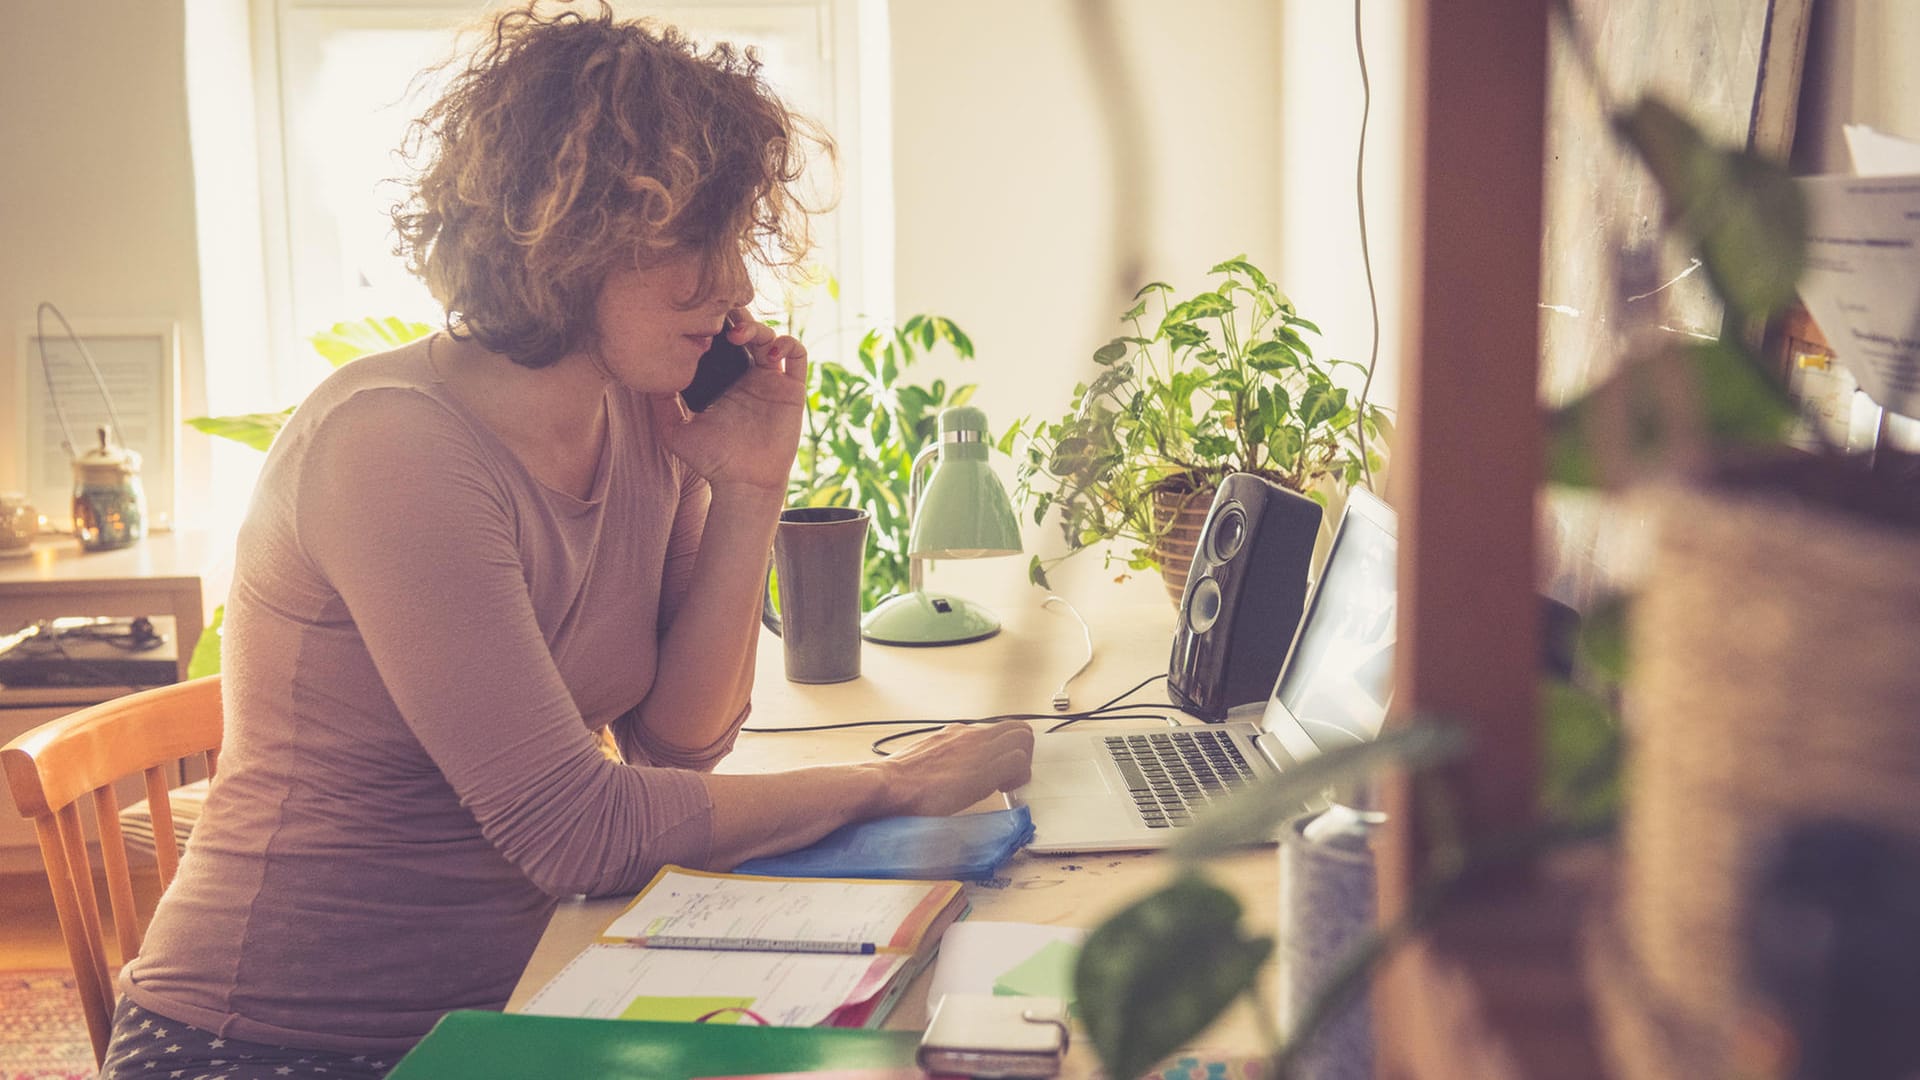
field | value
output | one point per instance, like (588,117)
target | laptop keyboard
(1174,773)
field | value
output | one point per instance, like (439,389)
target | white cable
(1061,702)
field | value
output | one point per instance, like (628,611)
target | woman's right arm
(768,813)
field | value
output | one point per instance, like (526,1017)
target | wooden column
(1489,990)
(1469,461)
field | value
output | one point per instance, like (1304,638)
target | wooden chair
(58,765)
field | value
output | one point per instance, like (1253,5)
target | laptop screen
(1338,680)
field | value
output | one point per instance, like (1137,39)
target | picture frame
(139,361)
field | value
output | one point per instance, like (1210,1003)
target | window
(346,92)
(294,226)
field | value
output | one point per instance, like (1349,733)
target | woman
(467,556)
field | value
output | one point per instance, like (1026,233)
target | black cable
(923,725)
(885,739)
(1110,703)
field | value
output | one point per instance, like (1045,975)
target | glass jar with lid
(109,501)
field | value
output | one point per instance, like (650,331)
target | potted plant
(1761,710)
(865,424)
(1223,381)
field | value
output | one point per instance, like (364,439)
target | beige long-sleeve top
(420,642)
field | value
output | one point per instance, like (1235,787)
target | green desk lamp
(964,513)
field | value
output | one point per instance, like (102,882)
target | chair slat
(73,839)
(113,856)
(54,768)
(166,851)
(94,991)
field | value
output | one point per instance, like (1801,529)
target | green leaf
(1035,572)
(1255,811)
(1321,402)
(1207,305)
(1743,212)
(1744,407)
(1602,647)
(206,651)
(1155,974)
(1272,356)
(1111,352)
(1738,406)
(347,341)
(1239,265)
(1183,335)
(251,429)
(1581,778)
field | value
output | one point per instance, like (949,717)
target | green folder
(471,1045)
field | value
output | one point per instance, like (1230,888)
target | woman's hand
(748,436)
(957,766)
(758,814)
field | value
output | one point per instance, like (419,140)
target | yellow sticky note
(685,1010)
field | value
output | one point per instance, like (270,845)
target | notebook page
(781,913)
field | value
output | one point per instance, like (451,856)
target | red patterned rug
(42,1033)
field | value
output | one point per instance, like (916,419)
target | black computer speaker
(1244,597)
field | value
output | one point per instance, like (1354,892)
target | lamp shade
(965,512)
(962,513)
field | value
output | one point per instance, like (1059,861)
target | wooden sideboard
(166,574)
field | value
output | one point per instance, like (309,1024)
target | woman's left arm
(743,445)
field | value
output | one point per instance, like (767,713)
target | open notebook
(740,948)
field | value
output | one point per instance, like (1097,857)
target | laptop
(1131,790)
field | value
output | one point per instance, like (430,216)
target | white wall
(1320,126)
(1003,188)
(1005,191)
(96,199)
(1861,70)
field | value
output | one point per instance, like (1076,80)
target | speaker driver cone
(1229,532)
(1204,609)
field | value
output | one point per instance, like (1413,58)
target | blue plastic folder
(965,847)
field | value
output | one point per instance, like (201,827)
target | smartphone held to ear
(720,367)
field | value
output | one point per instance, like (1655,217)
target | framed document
(139,362)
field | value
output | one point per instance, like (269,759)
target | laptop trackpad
(1064,778)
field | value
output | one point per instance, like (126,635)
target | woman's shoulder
(386,397)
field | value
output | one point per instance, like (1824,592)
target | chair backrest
(58,765)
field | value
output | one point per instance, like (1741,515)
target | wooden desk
(1014,671)
(164,574)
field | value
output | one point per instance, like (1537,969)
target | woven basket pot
(1775,680)
(1177,520)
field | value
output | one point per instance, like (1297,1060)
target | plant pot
(1177,519)
(1773,685)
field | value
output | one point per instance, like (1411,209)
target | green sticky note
(1047,973)
(685,1010)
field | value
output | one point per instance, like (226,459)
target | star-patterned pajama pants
(148,1046)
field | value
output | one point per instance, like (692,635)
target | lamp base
(924,618)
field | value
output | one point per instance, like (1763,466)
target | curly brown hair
(573,145)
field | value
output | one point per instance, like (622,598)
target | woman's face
(650,337)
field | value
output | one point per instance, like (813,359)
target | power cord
(1061,702)
(1366,258)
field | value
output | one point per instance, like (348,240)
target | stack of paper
(1862,280)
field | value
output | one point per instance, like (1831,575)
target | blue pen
(848,948)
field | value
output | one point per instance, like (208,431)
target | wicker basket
(1776,679)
